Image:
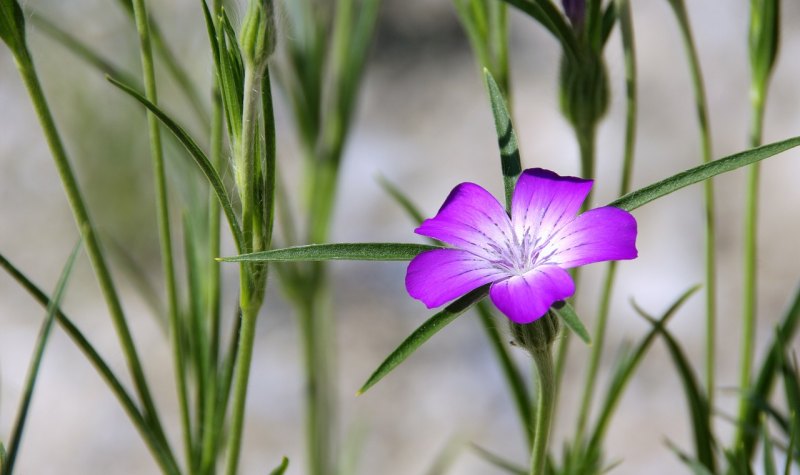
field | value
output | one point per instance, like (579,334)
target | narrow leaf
(367,251)
(626,368)
(402,199)
(497,461)
(567,314)
(697,467)
(769,454)
(196,153)
(506,138)
(33,371)
(698,403)
(424,333)
(281,469)
(12,27)
(700,173)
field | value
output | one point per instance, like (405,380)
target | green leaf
(626,367)
(769,454)
(12,27)
(698,403)
(424,333)
(703,172)
(131,408)
(367,251)
(545,12)
(281,469)
(506,138)
(196,153)
(497,461)
(697,467)
(36,361)
(769,371)
(567,314)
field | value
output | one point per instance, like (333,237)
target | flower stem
(750,262)
(251,290)
(701,105)
(164,233)
(545,404)
(93,250)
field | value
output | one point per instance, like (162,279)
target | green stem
(91,243)
(164,233)
(701,105)
(545,404)
(598,340)
(251,292)
(209,448)
(750,262)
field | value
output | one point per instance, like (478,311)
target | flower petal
(544,201)
(600,234)
(439,276)
(525,298)
(471,219)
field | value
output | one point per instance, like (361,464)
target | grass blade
(626,368)
(366,251)
(281,469)
(698,403)
(33,371)
(497,461)
(506,138)
(700,173)
(160,452)
(424,333)
(567,314)
(769,456)
(196,153)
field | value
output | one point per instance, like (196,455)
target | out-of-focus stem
(164,233)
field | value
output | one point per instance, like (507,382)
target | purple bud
(575,10)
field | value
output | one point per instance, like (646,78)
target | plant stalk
(545,405)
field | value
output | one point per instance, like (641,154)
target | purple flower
(523,257)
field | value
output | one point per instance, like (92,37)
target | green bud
(583,89)
(258,34)
(12,26)
(764,37)
(537,336)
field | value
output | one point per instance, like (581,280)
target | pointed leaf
(626,368)
(281,469)
(497,461)
(36,361)
(424,333)
(698,403)
(703,172)
(567,314)
(506,138)
(366,251)
(196,153)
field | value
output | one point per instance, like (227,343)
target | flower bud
(258,34)
(575,11)
(538,335)
(583,89)
(12,27)
(764,37)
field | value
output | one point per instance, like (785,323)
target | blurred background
(424,123)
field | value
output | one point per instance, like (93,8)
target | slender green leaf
(447,456)
(81,49)
(746,437)
(402,199)
(609,20)
(498,461)
(281,469)
(626,367)
(791,386)
(769,452)
(33,371)
(791,451)
(698,403)
(506,138)
(700,173)
(151,438)
(367,251)
(196,153)
(424,333)
(697,467)
(545,12)
(567,314)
